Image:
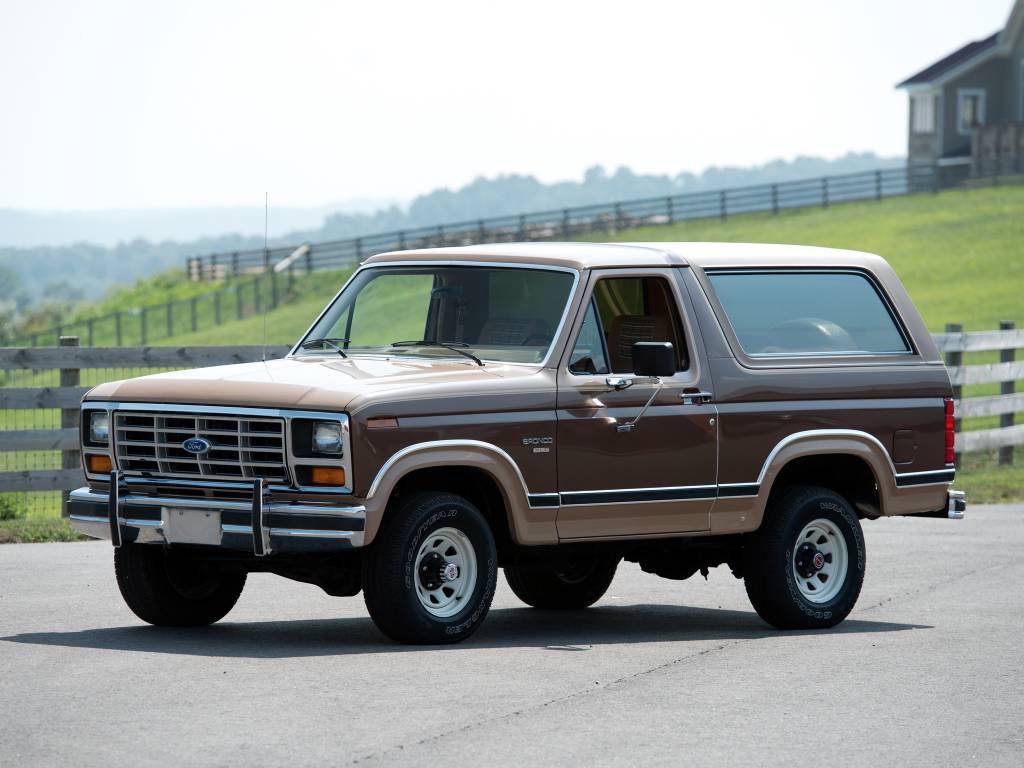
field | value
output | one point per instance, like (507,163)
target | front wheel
(170,589)
(431,573)
(805,567)
(576,584)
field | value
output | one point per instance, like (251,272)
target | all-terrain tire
(405,595)
(168,589)
(578,584)
(785,588)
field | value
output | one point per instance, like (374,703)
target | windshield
(496,313)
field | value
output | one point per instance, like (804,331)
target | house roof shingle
(959,56)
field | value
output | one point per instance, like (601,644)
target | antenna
(266,251)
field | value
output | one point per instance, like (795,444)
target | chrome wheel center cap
(450,572)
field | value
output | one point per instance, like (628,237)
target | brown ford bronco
(551,409)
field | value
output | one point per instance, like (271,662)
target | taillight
(950,431)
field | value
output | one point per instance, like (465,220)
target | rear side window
(799,313)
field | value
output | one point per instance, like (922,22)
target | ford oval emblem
(197,446)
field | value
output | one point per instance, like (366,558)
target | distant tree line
(62,274)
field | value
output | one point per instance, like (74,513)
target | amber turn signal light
(328,476)
(99,464)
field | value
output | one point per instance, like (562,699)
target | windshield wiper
(333,343)
(454,346)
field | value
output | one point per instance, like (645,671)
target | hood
(312,383)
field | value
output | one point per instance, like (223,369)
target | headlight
(99,427)
(327,437)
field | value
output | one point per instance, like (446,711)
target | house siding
(1017,78)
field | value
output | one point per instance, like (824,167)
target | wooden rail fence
(70,359)
(954,343)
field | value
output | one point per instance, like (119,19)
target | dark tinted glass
(785,313)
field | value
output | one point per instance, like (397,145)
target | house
(967,109)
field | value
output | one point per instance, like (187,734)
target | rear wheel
(431,572)
(170,589)
(805,567)
(578,583)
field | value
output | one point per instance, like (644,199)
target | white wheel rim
(445,590)
(820,584)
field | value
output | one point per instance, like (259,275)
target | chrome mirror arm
(629,426)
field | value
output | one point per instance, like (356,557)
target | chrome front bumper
(259,526)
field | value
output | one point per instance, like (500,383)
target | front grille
(241,447)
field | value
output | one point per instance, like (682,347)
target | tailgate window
(808,313)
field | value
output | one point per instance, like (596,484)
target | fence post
(878,185)
(521,234)
(193,314)
(90,325)
(670,209)
(69,377)
(618,216)
(170,318)
(216,307)
(481,231)
(234,264)
(309,259)
(1006,388)
(401,239)
(723,211)
(117,328)
(955,360)
(273,289)
(238,301)
(775,199)
(824,191)
(359,249)
(142,327)
(257,297)
(565,222)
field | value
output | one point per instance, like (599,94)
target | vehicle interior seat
(626,330)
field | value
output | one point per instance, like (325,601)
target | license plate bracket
(191,526)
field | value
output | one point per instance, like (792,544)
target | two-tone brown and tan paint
(717,459)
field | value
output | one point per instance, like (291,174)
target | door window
(623,311)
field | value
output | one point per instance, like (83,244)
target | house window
(970,111)
(923,113)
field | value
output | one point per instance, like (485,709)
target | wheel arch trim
(531,517)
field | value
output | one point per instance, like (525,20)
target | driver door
(658,476)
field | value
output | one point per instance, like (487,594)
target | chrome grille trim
(243,446)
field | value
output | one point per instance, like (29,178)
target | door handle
(619,382)
(696,397)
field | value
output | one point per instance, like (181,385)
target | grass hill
(960,254)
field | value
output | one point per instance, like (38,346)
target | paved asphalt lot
(928,670)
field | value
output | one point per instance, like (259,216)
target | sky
(135,105)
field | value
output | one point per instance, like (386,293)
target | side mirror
(654,358)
